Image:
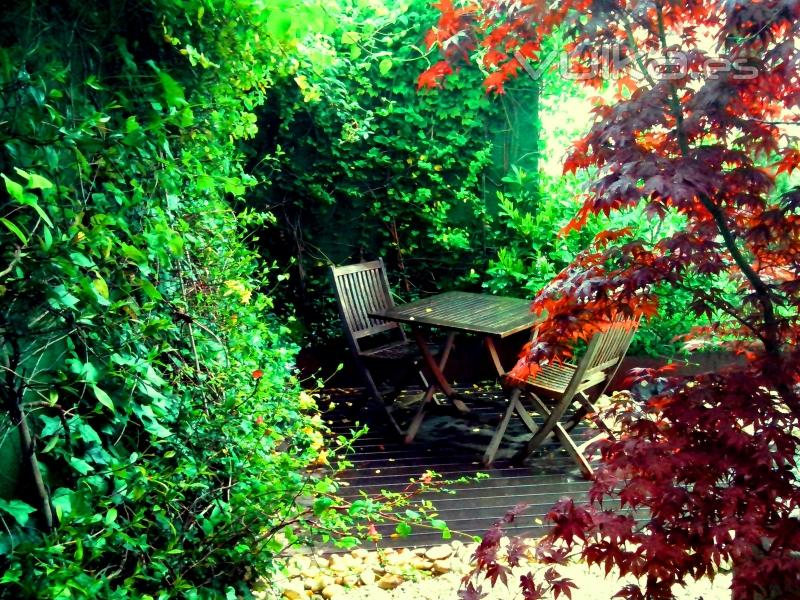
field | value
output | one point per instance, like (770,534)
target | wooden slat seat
(564,383)
(396,351)
(553,377)
(361,290)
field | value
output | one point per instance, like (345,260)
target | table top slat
(465,311)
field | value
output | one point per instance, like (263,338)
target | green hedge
(141,360)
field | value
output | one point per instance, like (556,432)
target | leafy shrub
(361,165)
(357,170)
(165,438)
(701,470)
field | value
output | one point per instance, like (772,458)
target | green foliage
(149,381)
(362,165)
(535,251)
(534,208)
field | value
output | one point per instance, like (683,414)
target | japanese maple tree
(704,123)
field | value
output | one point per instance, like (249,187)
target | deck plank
(453,448)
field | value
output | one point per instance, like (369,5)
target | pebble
(431,574)
(401,557)
(421,564)
(390,581)
(367,577)
(294,590)
(332,591)
(439,552)
(442,566)
(315,585)
(339,567)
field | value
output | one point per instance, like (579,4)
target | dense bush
(164,438)
(453,190)
(359,169)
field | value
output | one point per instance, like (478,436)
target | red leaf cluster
(704,470)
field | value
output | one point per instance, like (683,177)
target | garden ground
(436,573)
(422,565)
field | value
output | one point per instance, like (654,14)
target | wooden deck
(453,447)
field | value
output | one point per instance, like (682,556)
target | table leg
(430,362)
(494,355)
(420,414)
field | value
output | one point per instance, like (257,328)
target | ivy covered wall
(362,164)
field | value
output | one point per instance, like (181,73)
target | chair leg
(576,418)
(573,450)
(560,433)
(497,438)
(377,396)
(586,408)
(551,420)
(526,418)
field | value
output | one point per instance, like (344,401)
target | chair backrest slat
(361,289)
(604,355)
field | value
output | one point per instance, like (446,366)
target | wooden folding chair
(361,289)
(563,383)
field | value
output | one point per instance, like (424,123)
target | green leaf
(149,289)
(81,260)
(133,253)
(441,526)
(156,428)
(80,465)
(348,541)
(351,37)
(15,190)
(62,502)
(64,297)
(385,66)
(47,239)
(173,93)
(17,509)
(278,25)
(111,516)
(101,287)
(31,201)
(51,425)
(322,504)
(403,529)
(204,183)
(14,229)
(103,398)
(35,182)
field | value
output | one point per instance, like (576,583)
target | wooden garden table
(459,312)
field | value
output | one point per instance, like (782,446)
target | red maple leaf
(704,456)
(433,77)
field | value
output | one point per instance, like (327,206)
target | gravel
(436,573)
